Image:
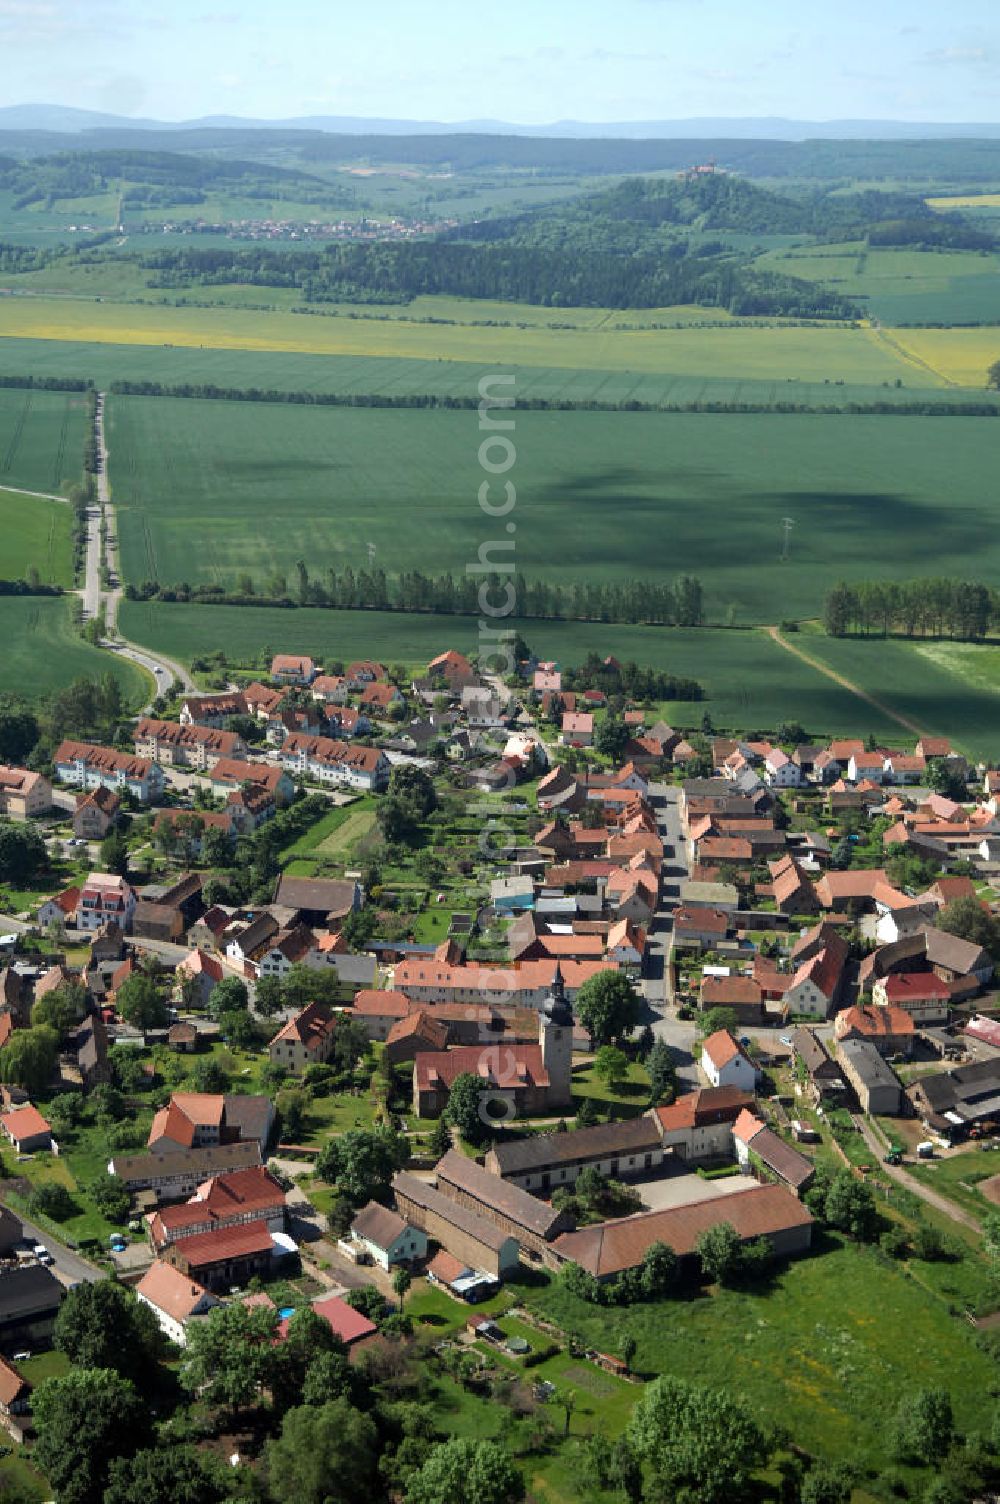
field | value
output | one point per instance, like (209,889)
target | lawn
(42,652)
(815,353)
(36,534)
(41,438)
(827,1348)
(749,681)
(603,496)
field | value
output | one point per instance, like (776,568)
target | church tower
(555,1035)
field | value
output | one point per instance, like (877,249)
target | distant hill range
(69,121)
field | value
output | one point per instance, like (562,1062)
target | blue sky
(528,61)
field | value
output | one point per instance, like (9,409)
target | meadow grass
(41,439)
(813,353)
(834,1340)
(749,681)
(208,490)
(42,652)
(36,534)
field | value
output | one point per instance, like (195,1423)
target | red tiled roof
(610,1247)
(203,1248)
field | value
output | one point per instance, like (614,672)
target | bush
(52,1201)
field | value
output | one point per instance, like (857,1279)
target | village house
(760,1151)
(26,1129)
(201,1120)
(171,1174)
(818,981)
(15,1402)
(699,1125)
(95,814)
(201,972)
(386,1237)
(726,1063)
(289,668)
(793,890)
(174,1298)
(957,1101)
(417,1034)
(577,729)
(824,1072)
(91,767)
(427,980)
(743,995)
(701,928)
(229,1200)
(306,1039)
(377,1010)
(220,1259)
(23,794)
(30,1297)
(920,994)
(891,1030)
(105,898)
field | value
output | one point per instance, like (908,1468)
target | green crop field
(750,682)
(902,286)
(401,376)
(36,534)
(944,688)
(41,651)
(812,353)
(41,439)
(207,490)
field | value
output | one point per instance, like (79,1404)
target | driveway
(683,1189)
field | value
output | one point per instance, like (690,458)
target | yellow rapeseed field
(959,356)
(966,201)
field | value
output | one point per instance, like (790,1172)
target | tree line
(648,602)
(208,391)
(932,607)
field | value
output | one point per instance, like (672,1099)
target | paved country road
(70,1265)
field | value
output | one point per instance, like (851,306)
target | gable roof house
(23,794)
(817,984)
(532,1222)
(386,1237)
(336,762)
(172,744)
(306,1039)
(174,1298)
(876,1084)
(793,891)
(890,1030)
(726,1063)
(292,668)
(478,1241)
(95,814)
(699,1124)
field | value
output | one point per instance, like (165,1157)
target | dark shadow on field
(841,523)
